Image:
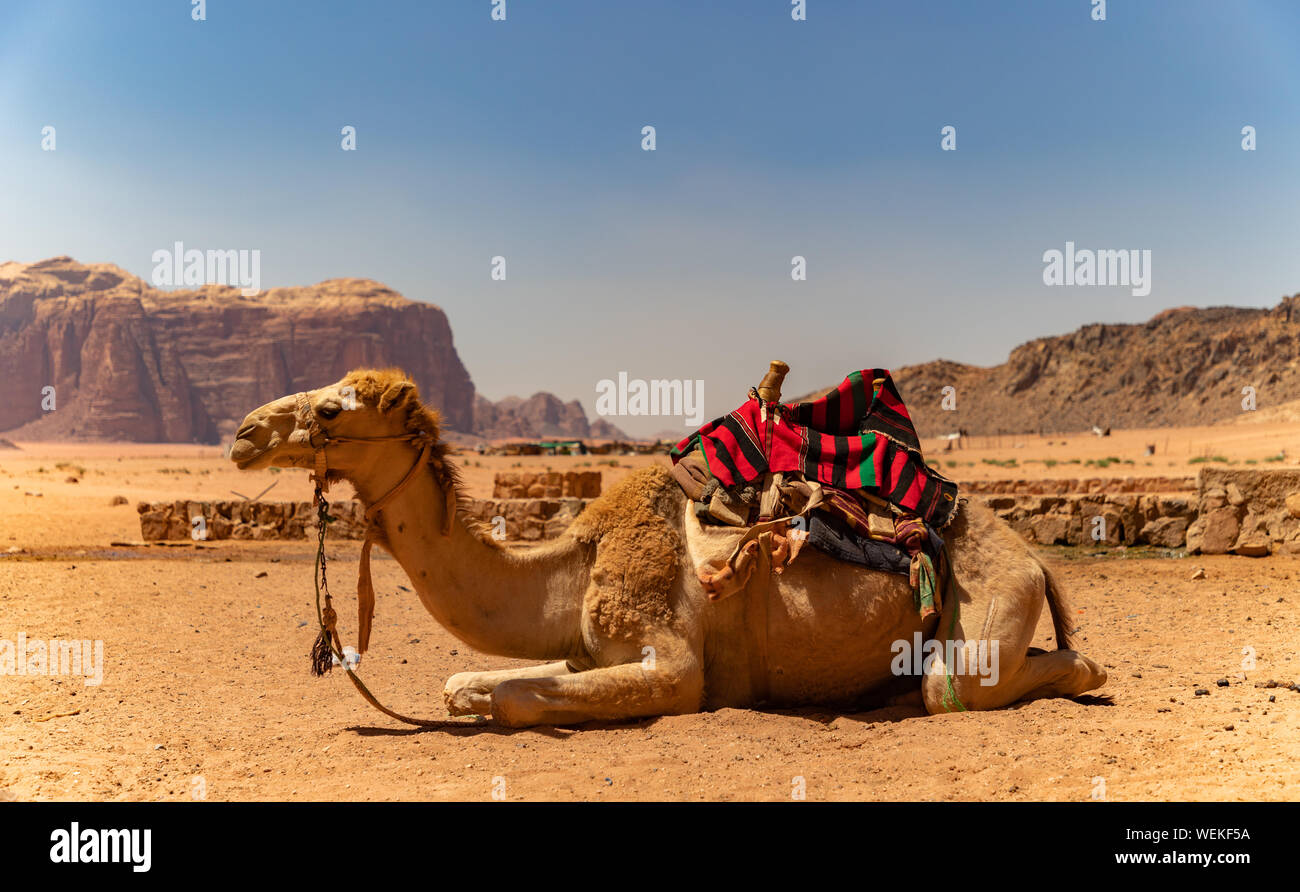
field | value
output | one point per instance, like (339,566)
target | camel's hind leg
(629,690)
(996,668)
(470,693)
(1058,673)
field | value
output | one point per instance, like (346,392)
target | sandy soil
(1177,452)
(206,690)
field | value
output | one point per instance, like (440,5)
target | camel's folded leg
(470,693)
(626,691)
(1057,673)
(995,666)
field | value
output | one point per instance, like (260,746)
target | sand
(206,691)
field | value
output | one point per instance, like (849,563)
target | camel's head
(367,403)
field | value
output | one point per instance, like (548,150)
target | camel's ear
(395,395)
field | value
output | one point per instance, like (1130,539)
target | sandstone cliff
(130,362)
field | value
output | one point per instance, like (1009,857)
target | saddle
(843,472)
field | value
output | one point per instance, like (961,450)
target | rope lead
(327,648)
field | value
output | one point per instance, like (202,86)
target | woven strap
(374,533)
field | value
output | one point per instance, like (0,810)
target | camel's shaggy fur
(637,553)
(392,389)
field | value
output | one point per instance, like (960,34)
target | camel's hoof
(461,699)
(453,708)
(1099,676)
(516,704)
(459,705)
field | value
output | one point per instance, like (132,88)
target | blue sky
(774,138)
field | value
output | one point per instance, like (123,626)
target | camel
(616,612)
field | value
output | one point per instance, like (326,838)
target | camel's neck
(519,604)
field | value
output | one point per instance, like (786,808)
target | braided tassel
(925,594)
(322,654)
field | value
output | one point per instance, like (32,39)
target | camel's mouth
(248,457)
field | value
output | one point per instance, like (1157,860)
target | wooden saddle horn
(769,389)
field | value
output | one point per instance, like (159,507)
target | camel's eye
(329,411)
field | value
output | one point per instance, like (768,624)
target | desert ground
(206,691)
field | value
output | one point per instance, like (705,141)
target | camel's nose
(246,445)
(263,431)
(253,438)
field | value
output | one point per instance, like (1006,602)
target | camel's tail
(1062,614)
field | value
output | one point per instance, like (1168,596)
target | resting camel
(614,606)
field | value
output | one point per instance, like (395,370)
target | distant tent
(562,447)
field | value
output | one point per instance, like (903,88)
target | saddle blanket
(858,436)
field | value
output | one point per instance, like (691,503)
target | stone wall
(1239,511)
(1249,512)
(546,485)
(245,520)
(528,520)
(524,519)
(1069,485)
(1125,519)
(1246,512)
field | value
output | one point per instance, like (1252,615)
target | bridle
(328,648)
(307,415)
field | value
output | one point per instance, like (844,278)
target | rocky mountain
(1186,366)
(541,415)
(130,362)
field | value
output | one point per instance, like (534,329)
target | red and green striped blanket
(858,436)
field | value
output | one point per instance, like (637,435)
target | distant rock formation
(541,415)
(130,362)
(1185,366)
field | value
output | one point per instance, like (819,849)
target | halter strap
(365,587)
(314,430)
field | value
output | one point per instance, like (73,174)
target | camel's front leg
(470,693)
(626,691)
